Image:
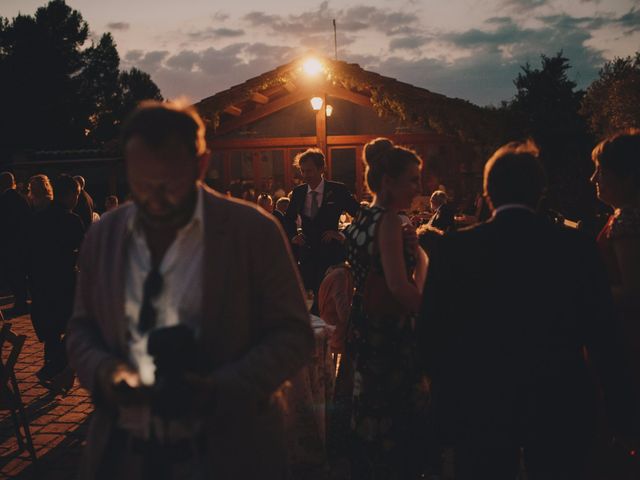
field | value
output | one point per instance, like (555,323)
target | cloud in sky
(352,19)
(215,33)
(121,26)
(476,60)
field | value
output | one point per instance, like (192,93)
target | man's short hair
(514,174)
(314,155)
(282,201)
(81,181)
(439,197)
(7,181)
(265,197)
(159,124)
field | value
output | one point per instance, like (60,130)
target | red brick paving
(58,423)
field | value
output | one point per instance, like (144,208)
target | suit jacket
(279,216)
(509,307)
(15,214)
(444,218)
(336,200)
(84,209)
(255,332)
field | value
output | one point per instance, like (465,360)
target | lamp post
(318,103)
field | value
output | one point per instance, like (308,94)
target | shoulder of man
(241,212)
(111,225)
(335,186)
(299,190)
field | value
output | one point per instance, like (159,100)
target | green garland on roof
(389,97)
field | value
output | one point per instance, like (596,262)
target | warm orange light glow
(316,103)
(312,66)
(329,110)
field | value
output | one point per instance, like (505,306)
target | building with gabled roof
(256,128)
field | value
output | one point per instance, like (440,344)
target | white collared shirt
(308,199)
(180,300)
(511,206)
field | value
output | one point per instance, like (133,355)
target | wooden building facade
(256,129)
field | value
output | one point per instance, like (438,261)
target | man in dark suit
(84,209)
(319,203)
(512,307)
(14,218)
(282,204)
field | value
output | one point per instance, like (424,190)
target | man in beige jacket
(182,256)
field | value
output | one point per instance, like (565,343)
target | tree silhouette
(56,94)
(100,90)
(612,102)
(546,108)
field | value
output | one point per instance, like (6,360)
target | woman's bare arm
(390,243)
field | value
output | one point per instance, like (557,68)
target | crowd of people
(513,343)
(44,229)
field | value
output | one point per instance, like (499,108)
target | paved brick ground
(58,423)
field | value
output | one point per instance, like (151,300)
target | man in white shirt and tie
(319,203)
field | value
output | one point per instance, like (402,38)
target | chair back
(9,393)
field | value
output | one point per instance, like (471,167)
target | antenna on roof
(335,38)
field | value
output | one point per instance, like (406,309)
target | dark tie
(150,291)
(313,211)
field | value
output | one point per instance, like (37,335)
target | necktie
(150,290)
(313,211)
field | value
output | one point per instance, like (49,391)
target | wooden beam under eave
(233,110)
(348,95)
(290,87)
(262,111)
(260,98)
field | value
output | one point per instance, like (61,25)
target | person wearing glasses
(184,327)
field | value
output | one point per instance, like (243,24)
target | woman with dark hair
(617,181)
(389,396)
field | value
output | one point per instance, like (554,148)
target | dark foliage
(56,92)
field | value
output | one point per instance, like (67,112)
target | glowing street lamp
(312,66)
(316,103)
(328,110)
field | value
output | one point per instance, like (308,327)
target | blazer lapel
(117,281)
(217,261)
(327,194)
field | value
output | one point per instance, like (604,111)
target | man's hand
(120,385)
(298,240)
(331,235)
(410,237)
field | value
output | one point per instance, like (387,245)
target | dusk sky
(461,48)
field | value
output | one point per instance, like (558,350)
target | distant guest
(85,208)
(281,209)
(265,202)
(40,192)
(110,203)
(14,217)
(443,218)
(54,239)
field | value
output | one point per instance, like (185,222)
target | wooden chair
(10,398)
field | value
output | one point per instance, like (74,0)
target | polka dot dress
(387,404)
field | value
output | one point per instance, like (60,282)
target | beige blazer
(255,332)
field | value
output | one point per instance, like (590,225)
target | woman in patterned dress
(617,180)
(389,395)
